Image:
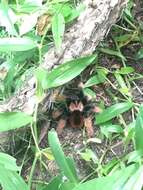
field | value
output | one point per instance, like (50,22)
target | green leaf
(7,18)
(89,155)
(89,93)
(13,120)
(139,129)
(54,183)
(125,70)
(40,75)
(139,54)
(29,6)
(66,72)
(94,81)
(67,186)
(25,26)
(64,9)
(75,12)
(116,181)
(16,44)
(112,52)
(10,180)
(125,39)
(113,111)
(58,28)
(124,89)
(60,158)
(8,162)
(135,156)
(135,181)
(109,128)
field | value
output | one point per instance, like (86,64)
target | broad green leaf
(129,132)
(7,18)
(40,76)
(116,181)
(88,155)
(64,9)
(29,6)
(135,181)
(124,89)
(109,128)
(25,26)
(75,12)
(89,93)
(60,158)
(139,54)
(58,28)
(120,80)
(10,180)
(96,79)
(135,156)
(139,129)
(113,111)
(8,162)
(13,120)
(108,167)
(112,52)
(16,44)
(67,186)
(125,70)
(125,39)
(54,184)
(72,166)
(66,72)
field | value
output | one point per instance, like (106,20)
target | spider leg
(89,126)
(61,125)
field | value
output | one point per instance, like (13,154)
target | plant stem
(32,171)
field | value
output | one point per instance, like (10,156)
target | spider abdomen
(76,119)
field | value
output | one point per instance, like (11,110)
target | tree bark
(80,39)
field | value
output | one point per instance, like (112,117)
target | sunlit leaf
(135,156)
(117,180)
(29,6)
(135,181)
(10,180)
(60,158)
(27,23)
(67,71)
(67,186)
(8,162)
(123,87)
(88,155)
(54,184)
(113,111)
(139,129)
(89,93)
(13,120)
(109,128)
(125,70)
(58,28)
(16,44)
(96,79)
(7,18)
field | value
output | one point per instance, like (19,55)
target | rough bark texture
(80,39)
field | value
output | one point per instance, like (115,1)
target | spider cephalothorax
(76,113)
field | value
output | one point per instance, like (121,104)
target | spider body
(76,113)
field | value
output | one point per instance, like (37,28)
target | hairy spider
(77,112)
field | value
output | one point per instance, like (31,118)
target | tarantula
(77,112)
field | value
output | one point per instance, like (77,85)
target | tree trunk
(80,39)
